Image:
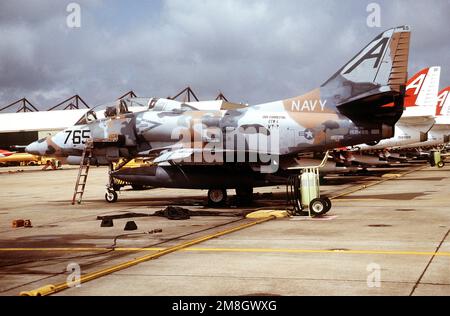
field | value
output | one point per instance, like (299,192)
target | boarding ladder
(83,173)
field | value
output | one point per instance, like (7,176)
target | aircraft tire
(111,196)
(217,197)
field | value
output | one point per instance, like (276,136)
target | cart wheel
(440,164)
(111,196)
(318,207)
(328,206)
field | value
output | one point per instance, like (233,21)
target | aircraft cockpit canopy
(90,116)
(119,108)
(110,109)
(152,103)
(87,118)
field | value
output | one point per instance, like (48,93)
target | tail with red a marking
(443,103)
(421,94)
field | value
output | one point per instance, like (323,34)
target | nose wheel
(112,188)
(111,196)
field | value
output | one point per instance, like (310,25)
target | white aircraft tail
(422,93)
(443,107)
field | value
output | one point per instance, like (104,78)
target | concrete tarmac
(387,239)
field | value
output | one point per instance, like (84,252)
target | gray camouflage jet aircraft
(241,147)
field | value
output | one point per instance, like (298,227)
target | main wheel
(244,195)
(111,196)
(440,164)
(217,197)
(137,187)
(318,207)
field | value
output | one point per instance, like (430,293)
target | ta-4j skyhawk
(242,147)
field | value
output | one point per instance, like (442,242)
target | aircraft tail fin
(443,103)
(376,76)
(421,95)
(382,64)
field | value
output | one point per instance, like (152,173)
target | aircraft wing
(61,119)
(5,153)
(442,120)
(416,120)
(39,121)
(171,155)
(183,154)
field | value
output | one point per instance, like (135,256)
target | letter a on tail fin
(380,67)
(421,94)
(443,103)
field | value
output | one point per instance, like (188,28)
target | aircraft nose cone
(38,148)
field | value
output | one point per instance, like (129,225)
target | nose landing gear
(112,188)
(111,196)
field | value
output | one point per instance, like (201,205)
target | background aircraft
(420,110)
(421,100)
(440,132)
(5,153)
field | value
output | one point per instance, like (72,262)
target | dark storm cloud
(254,51)
(29,12)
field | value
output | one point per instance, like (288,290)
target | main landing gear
(111,195)
(218,197)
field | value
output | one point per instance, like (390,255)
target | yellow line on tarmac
(52,289)
(366,186)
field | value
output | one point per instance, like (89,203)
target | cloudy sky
(252,50)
